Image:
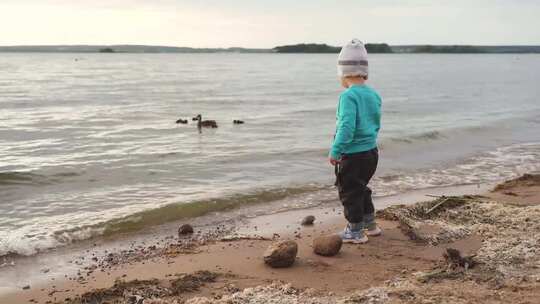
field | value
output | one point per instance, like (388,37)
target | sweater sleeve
(346,124)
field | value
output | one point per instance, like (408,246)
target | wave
(489,130)
(20,243)
(22,178)
(177,211)
(443,134)
(488,167)
(426,136)
(30,178)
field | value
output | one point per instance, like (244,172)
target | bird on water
(205,123)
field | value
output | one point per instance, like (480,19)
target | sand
(498,233)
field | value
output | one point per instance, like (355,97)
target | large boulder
(281,254)
(327,245)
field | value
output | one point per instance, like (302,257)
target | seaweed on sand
(192,282)
(119,290)
(510,235)
(413,220)
(426,210)
(141,290)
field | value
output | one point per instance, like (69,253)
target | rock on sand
(308,220)
(281,254)
(327,245)
(185,229)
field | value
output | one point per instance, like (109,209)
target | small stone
(281,254)
(328,245)
(308,220)
(185,229)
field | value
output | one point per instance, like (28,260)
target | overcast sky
(267,23)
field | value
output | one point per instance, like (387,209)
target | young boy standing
(354,151)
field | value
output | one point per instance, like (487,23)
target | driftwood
(444,200)
(243,238)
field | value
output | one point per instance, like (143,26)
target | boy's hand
(333,161)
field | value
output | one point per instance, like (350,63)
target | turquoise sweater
(358,121)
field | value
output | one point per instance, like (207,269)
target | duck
(182,121)
(238,122)
(205,123)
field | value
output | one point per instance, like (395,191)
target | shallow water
(88,143)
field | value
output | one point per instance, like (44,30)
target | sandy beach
(495,233)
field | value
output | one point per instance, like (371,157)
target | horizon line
(261,48)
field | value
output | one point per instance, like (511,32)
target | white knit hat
(352,60)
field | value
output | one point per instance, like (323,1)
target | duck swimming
(181,121)
(205,123)
(238,122)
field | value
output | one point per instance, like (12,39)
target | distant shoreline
(296,48)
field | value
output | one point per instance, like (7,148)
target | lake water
(89,144)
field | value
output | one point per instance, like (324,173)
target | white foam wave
(503,163)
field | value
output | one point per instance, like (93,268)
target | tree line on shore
(294,48)
(385,48)
(325,48)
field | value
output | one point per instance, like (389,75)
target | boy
(354,150)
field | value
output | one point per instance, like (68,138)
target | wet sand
(390,264)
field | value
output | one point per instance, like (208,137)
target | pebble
(308,220)
(185,229)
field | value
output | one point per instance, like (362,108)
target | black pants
(352,177)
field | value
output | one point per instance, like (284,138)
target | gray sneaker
(353,236)
(374,231)
(371,226)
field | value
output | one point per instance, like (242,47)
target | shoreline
(62,229)
(235,207)
(51,269)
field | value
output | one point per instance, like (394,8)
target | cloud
(213,23)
